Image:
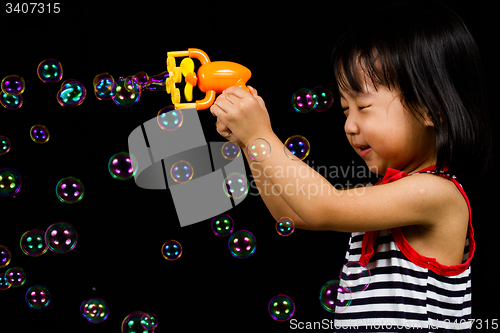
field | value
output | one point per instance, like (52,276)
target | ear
(427,120)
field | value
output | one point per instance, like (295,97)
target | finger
(253,91)
(236,91)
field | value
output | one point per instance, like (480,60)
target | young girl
(410,85)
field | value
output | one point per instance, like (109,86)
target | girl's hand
(244,114)
(223,130)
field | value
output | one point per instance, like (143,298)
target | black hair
(424,51)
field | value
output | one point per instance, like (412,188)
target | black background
(121,227)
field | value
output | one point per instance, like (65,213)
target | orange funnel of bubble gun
(212,77)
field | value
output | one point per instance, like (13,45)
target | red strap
(367,247)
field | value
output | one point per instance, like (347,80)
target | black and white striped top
(407,292)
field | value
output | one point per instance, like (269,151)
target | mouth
(364,150)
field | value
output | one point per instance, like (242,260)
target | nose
(351,126)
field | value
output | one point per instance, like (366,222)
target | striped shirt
(407,292)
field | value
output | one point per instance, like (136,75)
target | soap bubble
(169,118)
(11,102)
(4,145)
(39,134)
(61,237)
(33,243)
(4,284)
(281,307)
(50,70)
(285,226)
(133,323)
(72,93)
(37,297)
(242,244)
(335,296)
(297,147)
(222,225)
(230,150)
(15,276)
(324,98)
(356,276)
(259,149)
(141,79)
(5,256)
(122,166)
(171,250)
(181,172)
(94,310)
(10,182)
(125,92)
(149,321)
(304,100)
(102,86)
(70,190)
(13,85)
(235,185)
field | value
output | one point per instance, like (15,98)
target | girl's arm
(271,196)
(417,200)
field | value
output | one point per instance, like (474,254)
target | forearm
(297,187)
(271,195)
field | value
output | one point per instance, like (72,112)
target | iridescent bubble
(230,150)
(39,134)
(242,244)
(149,321)
(356,276)
(133,323)
(335,296)
(181,172)
(141,79)
(102,86)
(94,310)
(285,226)
(304,100)
(33,243)
(15,276)
(10,182)
(169,118)
(157,82)
(259,149)
(61,237)
(50,70)
(171,250)
(281,307)
(4,284)
(297,147)
(122,166)
(72,93)
(11,102)
(5,256)
(13,85)
(122,96)
(235,185)
(324,98)
(222,225)
(37,297)
(4,145)
(70,190)
(132,84)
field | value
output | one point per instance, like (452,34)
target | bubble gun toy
(211,78)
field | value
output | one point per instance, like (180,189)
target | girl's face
(384,133)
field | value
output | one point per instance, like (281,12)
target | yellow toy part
(212,77)
(187,69)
